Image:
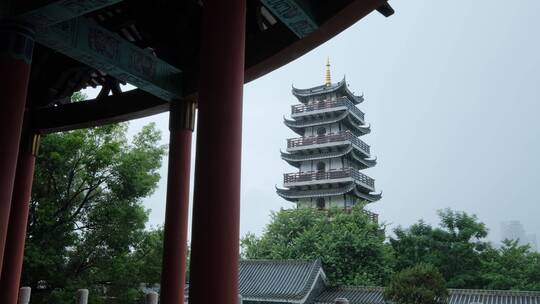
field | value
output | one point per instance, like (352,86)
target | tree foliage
(420,284)
(511,267)
(86,224)
(350,246)
(353,251)
(455,248)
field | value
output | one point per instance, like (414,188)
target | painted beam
(294,15)
(111,109)
(63,10)
(84,40)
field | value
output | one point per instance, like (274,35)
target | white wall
(334,163)
(330,202)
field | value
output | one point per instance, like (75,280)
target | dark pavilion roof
(164,37)
(304,282)
(364,295)
(341,87)
(458,296)
(374,295)
(269,279)
(277,281)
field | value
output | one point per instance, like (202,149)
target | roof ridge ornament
(328,79)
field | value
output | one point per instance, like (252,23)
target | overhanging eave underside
(358,129)
(294,195)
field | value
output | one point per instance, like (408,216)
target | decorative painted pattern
(296,18)
(89,43)
(63,10)
(16,41)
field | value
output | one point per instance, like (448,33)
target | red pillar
(182,118)
(18,218)
(16,45)
(216,206)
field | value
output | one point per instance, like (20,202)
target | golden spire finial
(328,80)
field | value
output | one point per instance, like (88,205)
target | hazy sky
(451,90)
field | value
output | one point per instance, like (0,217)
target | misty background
(451,93)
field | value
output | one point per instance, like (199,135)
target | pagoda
(328,154)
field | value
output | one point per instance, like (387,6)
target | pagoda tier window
(321,131)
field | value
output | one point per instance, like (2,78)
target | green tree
(420,284)
(350,246)
(455,248)
(86,221)
(147,256)
(511,267)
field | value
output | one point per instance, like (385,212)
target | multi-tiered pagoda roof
(339,87)
(329,154)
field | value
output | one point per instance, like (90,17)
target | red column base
(18,218)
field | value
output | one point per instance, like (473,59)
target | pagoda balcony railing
(332,137)
(321,105)
(301,177)
(374,217)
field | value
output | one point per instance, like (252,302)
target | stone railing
(289,178)
(81,297)
(332,137)
(321,105)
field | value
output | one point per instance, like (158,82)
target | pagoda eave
(362,160)
(325,108)
(341,86)
(294,195)
(296,159)
(370,197)
(325,148)
(326,113)
(315,182)
(322,147)
(365,162)
(358,128)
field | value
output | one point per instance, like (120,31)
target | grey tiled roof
(284,279)
(374,295)
(355,295)
(473,296)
